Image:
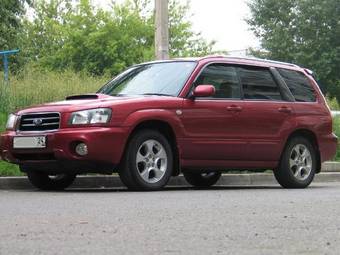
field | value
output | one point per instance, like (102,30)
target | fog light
(81,149)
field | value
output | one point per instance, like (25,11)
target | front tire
(202,180)
(298,164)
(44,181)
(148,161)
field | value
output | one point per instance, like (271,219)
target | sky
(219,20)
(223,21)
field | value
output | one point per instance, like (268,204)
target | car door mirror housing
(204,91)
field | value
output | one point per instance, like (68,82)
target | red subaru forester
(195,116)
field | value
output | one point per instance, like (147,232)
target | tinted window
(299,85)
(223,78)
(259,84)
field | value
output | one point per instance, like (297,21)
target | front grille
(39,121)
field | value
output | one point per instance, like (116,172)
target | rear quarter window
(299,85)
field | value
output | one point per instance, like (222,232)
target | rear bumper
(327,146)
(105,149)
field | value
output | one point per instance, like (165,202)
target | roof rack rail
(253,59)
(266,61)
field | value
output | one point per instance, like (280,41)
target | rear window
(258,84)
(299,85)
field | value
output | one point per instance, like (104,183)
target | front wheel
(45,181)
(202,180)
(148,161)
(297,165)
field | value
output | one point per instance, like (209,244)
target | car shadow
(170,188)
(183,188)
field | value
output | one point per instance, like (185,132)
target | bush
(35,86)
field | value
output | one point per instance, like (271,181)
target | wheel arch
(164,128)
(310,135)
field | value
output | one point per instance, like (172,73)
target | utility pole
(162,29)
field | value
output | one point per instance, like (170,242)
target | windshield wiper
(157,94)
(119,95)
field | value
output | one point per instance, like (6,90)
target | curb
(111,181)
(331,166)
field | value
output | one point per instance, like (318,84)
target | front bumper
(105,148)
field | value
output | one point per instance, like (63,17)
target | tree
(85,38)
(10,13)
(183,41)
(305,32)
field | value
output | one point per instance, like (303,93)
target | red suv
(195,116)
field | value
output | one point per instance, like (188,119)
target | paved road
(224,220)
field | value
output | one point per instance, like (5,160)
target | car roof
(250,61)
(235,60)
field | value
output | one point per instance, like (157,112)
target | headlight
(11,121)
(93,116)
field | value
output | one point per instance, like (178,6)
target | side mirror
(204,91)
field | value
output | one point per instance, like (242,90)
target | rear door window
(259,84)
(299,85)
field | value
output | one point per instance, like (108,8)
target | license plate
(32,142)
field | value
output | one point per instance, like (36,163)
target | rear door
(269,115)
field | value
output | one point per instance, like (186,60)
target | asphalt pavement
(178,220)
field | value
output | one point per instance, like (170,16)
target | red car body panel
(214,134)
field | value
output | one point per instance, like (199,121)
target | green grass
(33,86)
(7,169)
(336,130)
(3,119)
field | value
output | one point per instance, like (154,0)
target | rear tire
(148,161)
(44,181)
(298,164)
(202,180)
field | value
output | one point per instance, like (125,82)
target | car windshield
(166,78)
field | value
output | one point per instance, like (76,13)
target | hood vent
(82,97)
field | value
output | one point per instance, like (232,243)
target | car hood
(87,101)
(75,103)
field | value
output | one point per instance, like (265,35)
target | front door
(212,125)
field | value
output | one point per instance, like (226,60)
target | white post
(162,29)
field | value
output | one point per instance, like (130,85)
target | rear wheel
(45,181)
(148,161)
(298,164)
(202,179)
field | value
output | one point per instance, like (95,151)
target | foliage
(10,11)
(305,32)
(34,86)
(333,104)
(64,35)
(183,41)
(7,169)
(336,130)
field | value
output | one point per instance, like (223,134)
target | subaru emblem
(37,122)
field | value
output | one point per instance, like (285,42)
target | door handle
(234,108)
(285,109)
